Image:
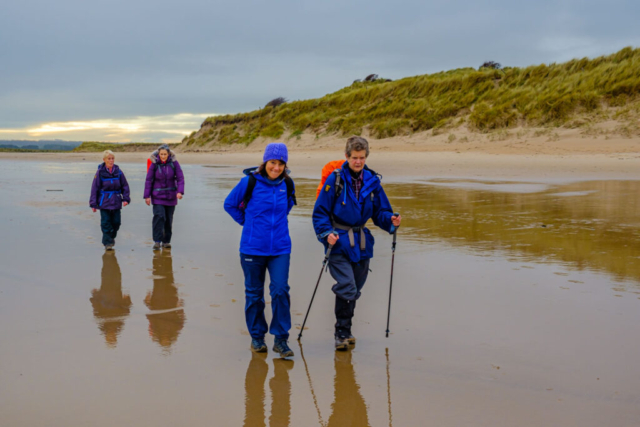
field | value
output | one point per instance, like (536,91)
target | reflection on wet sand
(586,225)
(110,306)
(280,387)
(168,318)
(348,407)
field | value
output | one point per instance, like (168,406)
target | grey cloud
(71,60)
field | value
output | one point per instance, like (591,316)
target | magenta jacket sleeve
(148,182)
(179,178)
(126,192)
(95,188)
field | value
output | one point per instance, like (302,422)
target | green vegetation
(98,147)
(484,100)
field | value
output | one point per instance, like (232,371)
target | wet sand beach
(516,299)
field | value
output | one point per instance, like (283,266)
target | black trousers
(162,223)
(110,224)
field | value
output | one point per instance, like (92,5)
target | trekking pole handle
(326,255)
(325,263)
(395,232)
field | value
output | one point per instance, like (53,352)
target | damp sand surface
(515,303)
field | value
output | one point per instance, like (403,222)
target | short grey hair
(106,153)
(356,143)
(164,147)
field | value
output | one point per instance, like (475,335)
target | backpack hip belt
(165,189)
(351,230)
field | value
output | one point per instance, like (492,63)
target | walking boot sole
(342,347)
(285,353)
(259,350)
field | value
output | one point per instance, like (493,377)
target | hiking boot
(156,246)
(108,247)
(342,344)
(351,339)
(258,345)
(281,346)
(166,245)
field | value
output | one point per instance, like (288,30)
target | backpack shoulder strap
(290,191)
(249,191)
(338,184)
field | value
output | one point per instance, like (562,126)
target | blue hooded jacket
(349,211)
(265,224)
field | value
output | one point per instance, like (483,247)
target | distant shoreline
(499,160)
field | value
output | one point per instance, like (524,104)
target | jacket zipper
(273,218)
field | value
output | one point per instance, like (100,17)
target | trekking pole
(324,264)
(393,256)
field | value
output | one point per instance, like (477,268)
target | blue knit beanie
(276,151)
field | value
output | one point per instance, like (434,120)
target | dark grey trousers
(350,278)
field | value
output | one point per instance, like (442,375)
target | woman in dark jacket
(109,193)
(163,187)
(265,245)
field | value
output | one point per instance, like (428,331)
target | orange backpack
(326,171)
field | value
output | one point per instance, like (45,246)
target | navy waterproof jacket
(265,224)
(109,189)
(346,210)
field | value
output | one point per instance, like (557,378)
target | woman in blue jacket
(261,203)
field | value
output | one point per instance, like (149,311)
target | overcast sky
(152,70)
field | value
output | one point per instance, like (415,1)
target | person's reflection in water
(279,385)
(166,324)
(110,306)
(348,408)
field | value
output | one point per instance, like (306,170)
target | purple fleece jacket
(109,189)
(164,182)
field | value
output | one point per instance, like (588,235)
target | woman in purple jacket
(163,187)
(109,193)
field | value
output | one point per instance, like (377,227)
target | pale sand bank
(517,154)
(408,165)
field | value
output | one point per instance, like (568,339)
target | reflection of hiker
(163,187)
(280,387)
(261,202)
(110,306)
(164,326)
(350,197)
(348,407)
(109,193)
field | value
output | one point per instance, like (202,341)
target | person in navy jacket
(265,244)
(109,193)
(339,218)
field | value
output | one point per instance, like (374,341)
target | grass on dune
(98,147)
(484,100)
